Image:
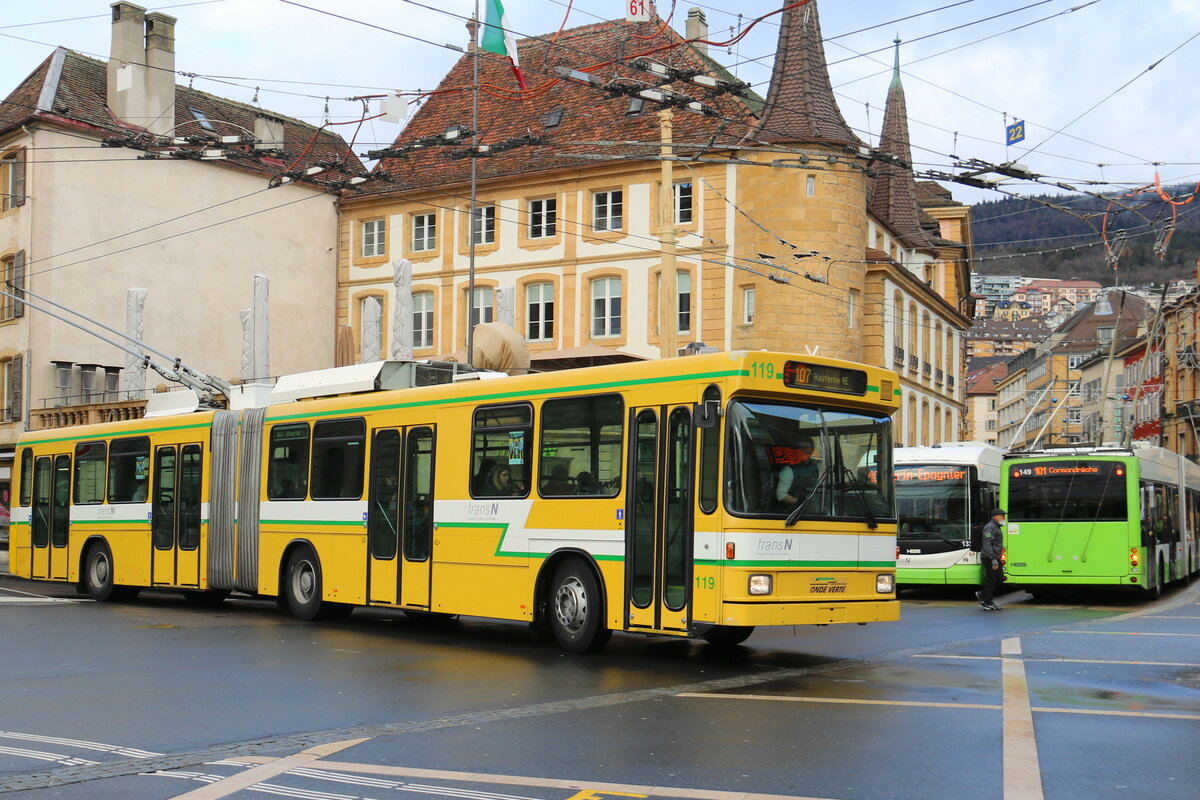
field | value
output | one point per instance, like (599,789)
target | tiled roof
(588,114)
(800,105)
(78,96)
(894,190)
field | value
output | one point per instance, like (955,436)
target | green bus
(1101,517)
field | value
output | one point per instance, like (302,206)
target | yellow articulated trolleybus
(699,496)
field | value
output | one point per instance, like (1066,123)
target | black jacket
(993,539)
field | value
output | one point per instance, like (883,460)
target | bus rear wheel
(728,635)
(575,609)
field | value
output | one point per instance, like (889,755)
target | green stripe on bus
(356,523)
(134,434)
(782,564)
(524,394)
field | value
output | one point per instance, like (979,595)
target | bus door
(400,516)
(50,523)
(175,516)
(659,532)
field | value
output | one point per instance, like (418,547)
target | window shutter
(18,180)
(18,283)
(14,391)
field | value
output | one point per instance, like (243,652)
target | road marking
(1022,771)
(622,789)
(1064,660)
(132,752)
(1169,616)
(839,700)
(1129,633)
(250,777)
(1107,713)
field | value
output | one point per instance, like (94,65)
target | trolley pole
(668,299)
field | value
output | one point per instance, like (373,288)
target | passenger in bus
(139,493)
(797,480)
(559,482)
(479,484)
(586,484)
(501,483)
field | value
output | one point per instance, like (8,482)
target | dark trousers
(993,576)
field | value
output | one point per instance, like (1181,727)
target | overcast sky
(965,66)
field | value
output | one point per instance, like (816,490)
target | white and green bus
(1104,517)
(943,496)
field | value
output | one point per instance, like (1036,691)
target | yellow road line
(1130,633)
(1065,660)
(838,700)
(1022,771)
(244,780)
(552,783)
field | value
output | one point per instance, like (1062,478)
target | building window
(683,202)
(422,320)
(990,425)
(10,375)
(606,307)
(749,304)
(424,235)
(543,218)
(683,289)
(483,225)
(374,238)
(607,211)
(852,304)
(539,312)
(8,266)
(1074,416)
(370,311)
(12,180)
(810,186)
(483,305)
(1104,335)
(1074,361)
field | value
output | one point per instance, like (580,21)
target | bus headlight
(885,584)
(760,584)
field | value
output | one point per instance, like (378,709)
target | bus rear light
(1133,579)
(729,550)
(760,584)
(1134,556)
(885,584)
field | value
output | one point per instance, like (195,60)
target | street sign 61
(637,10)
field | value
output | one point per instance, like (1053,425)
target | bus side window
(501,448)
(26,476)
(287,466)
(128,470)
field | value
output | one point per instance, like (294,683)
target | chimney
(126,70)
(160,77)
(697,28)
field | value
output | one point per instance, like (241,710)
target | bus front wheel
(302,584)
(98,576)
(728,635)
(575,609)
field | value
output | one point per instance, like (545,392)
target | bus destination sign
(802,375)
(1056,469)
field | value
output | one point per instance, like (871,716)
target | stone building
(1180,331)
(789,232)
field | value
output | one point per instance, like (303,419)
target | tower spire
(894,190)
(800,106)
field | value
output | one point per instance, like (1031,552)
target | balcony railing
(940,375)
(898,357)
(913,363)
(65,416)
(926,369)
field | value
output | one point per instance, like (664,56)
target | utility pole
(473,26)
(668,298)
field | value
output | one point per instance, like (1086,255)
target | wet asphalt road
(1092,698)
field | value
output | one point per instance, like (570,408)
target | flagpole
(474,179)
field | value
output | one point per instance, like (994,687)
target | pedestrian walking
(989,556)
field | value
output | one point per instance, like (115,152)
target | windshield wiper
(854,484)
(798,511)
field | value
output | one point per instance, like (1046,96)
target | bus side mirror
(706,414)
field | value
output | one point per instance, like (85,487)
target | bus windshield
(931,502)
(785,457)
(1066,491)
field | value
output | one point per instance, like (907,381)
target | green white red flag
(498,38)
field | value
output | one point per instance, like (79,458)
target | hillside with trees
(1015,226)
